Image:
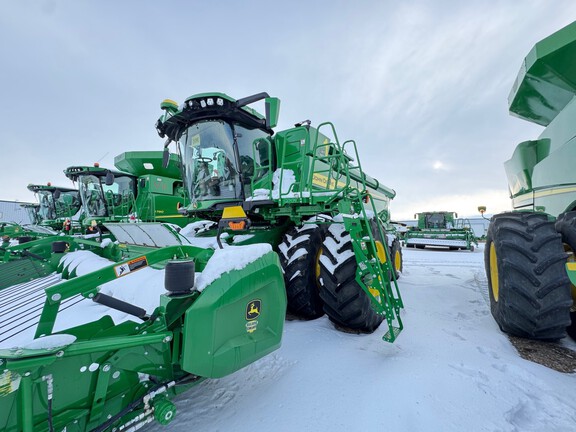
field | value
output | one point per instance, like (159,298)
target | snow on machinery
(147,191)
(529,255)
(440,228)
(143,189)
(118,368)
(121,328)
(301,191)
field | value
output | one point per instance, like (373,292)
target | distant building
(11,211)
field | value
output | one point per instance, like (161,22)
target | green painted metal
(230,156)
(143,189)
(11,230)
(540,172)
(236,337)
(107,376)
(441,228)
(57,205)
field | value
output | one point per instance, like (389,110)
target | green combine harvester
(57,205)
(441,229)
(301,191)
(33,211)
(529,253)
(117,328)
(147,191)
(142,190)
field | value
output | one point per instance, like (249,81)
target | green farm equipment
(106,341)
(57,206)
(143,189)
(112,330)
(146,192)
(440,228)
(299,190)
(529,255)
(33,211)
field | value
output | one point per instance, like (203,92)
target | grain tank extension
(529,255)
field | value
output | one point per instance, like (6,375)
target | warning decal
(130,266)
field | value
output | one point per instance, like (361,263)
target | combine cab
(59,207)
(146,192)
(143,190)
(529,253)
(442,229)
(300,190)
(109,331)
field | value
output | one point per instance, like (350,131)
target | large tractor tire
(345,302)
(566,226)
(299,254)
(527,282)
(396,257)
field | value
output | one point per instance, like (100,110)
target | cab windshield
(435,220)
(210,173)
(46,210)
(102,200)
(33,215)
(211,170)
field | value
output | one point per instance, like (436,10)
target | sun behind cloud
(438,165)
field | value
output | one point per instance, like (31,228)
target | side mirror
(57,194)
(456,215)
(272,105)
(109,179)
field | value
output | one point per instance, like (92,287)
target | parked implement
(529,255)
(105,349)
(441,228)
(300,190)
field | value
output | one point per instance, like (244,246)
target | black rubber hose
(120,305)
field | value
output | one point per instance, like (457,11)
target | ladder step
(392,334)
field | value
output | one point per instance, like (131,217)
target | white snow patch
(230,258)
(50,342)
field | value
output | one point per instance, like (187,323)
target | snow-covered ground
(451,369)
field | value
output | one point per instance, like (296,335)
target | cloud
(422,88)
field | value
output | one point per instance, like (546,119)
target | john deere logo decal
(253,310)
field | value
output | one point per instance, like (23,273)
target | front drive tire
(345,302)
(527,282)
(299,253)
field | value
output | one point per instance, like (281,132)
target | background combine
(440,228)
(145,191)
(117,327)
(530,252)
(141,190)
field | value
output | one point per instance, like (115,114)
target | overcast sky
(422,86)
